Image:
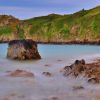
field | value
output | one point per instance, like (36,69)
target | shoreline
(73,42)
(64,43)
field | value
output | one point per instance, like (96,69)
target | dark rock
(80,62)
(47,65)
(23,49)
(93,80)
(54,98)
(74,69)
(51,98)
(47,74)
(91,71)
(78,87)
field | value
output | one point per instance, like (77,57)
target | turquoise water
(59,51)
(3,50)
(67,51)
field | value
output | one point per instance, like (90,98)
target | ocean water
(40,87)
(58,51)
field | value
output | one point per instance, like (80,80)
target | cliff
(82,25)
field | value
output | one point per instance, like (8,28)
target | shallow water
(40,87)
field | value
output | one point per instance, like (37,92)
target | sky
(24,9)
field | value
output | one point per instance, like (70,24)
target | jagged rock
(74,69)
(91,71)
(21,73)
(22,50)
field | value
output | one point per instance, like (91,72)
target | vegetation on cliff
(82,25)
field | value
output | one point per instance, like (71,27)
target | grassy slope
(84,24)
(8,27)
(81,25)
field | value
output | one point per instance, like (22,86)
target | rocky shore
(84,42)
(90,71)
(73,42)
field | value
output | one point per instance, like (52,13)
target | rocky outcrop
(74,30)
(75,69)
(21,73)
(22,50)
(90,71)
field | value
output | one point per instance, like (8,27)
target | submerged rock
(91,71)
(47,74)
(78,87)
(22,50)
(21,73)
(51,98)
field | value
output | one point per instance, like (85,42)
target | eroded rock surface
(75,69)
(22,50)
(90,71)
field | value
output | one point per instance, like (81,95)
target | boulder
(23,50)
(75,69)
(47,74)
(21,73)
(90,71)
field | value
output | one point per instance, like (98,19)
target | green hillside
(82,25)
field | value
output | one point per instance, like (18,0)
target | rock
(78,87)
(91,71)
(93,80)
(59,60)
(47,65)
(80,62)
(21,73)
(47,74)
(55,98)
(74,29)
(51,98)
(74,69)
(22,50)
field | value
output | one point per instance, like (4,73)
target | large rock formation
(91,71)
(22,50)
